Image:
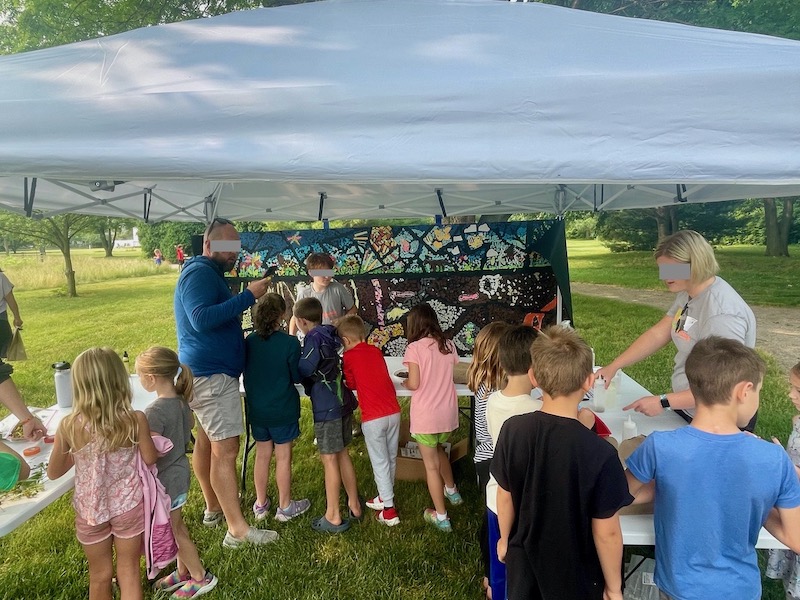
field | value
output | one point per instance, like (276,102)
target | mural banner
(471,274)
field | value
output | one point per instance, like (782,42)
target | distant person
(559,485)
(514,399)
(160,371)
(366,373)
(102,438)
(13,468)
(180,256)
(715,486)
(430,358)
(705,305)
(271,371)
(10,397)
(333,405)
(484,378)
(210,341)
(157,257)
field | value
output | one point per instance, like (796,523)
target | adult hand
(34,430)
(17,322)
(259,287)
(649,405)
(607,373)
(502,547)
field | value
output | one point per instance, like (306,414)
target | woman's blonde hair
(101,401)
(485,365)
(688,246)
(163,362)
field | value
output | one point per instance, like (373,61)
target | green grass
(759,279)
(42,559)
(29,271)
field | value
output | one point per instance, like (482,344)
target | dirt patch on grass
(777,328)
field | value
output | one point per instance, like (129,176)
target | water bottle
(63,379)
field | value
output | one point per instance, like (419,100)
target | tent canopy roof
(397,108)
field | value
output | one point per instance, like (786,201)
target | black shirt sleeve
(610,490)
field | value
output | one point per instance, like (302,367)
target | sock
(451,490)
(441,517)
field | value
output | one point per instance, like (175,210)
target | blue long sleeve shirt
(210,338)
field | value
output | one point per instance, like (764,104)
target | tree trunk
(72,289)
(666,220)
(776,228)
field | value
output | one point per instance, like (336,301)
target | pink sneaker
(194,588)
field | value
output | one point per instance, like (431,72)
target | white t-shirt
(5,287)
(500,408)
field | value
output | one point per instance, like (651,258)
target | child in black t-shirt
(559,485)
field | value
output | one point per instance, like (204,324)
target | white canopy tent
(398,108)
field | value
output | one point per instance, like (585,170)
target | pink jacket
(160,548)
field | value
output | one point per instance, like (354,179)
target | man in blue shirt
(211,343)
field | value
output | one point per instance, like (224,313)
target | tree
(778,227)
(58,231)
(107,229)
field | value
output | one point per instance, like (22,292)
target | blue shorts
(279,435)
(179,501)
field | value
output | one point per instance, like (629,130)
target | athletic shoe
(429,516)
(194,588)
(455,498)
(254,536)
(388,516)
(295,509)
(212,518)
(261,510)
(171,582)
(375,504)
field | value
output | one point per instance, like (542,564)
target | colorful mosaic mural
(471,274)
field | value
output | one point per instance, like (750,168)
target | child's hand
(776,441)
(609,595)
(502,548)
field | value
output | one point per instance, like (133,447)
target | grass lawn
(42,559)
(759,279)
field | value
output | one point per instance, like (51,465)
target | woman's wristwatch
(665,402)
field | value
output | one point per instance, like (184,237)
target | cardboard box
(412,469)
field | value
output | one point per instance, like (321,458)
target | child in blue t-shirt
(714,485)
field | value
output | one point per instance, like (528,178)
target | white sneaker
(212,518)
(375,504)
(256,537)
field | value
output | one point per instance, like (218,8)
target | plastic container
(629,429)
(612,392)
(599,395)
(63,380)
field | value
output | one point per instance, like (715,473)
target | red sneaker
(389,516)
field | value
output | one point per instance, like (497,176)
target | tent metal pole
(27,200)
(322,197)
(440,196)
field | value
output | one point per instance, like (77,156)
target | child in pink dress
(101,438)
(430,358)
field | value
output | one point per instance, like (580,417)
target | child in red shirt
(365,372)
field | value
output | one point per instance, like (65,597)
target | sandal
(363,505)
(322,525)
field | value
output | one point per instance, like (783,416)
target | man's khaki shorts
(217,404)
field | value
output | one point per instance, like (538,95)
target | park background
(76,291)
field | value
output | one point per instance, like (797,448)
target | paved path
(777,328)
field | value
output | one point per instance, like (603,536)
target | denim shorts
(334,436)
(283,434)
